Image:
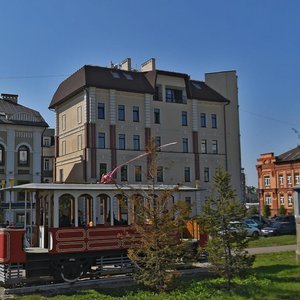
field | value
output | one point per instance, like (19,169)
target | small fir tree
(266,211)
(282,210)
(226,247)
(158,249)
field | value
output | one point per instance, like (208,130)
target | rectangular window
(203,146)
(1,155)
(138,173)
(158,142)
(188,201)
(268,200)
(203,120)
(103,169)
(281,199)
(79,142)
(214,146)
(124,173)
(280,179)
(101,111)
(160,174)
(121,112)
(156,116)
(185,145)
(290,200)
(184,121)
(187,174)
(174,95)
(79,114)
(122,141)
(46,164)
(136,142)
(101,140)
(63,122)
(213,121)
(289,179)
(206,174)
(47,141)
(267,180)
(297,179)
(135,114)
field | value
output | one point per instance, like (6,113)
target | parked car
(251,231)
(286,218)
(252,223)
(279,228)
(259,220)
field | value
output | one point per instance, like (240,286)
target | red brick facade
(277,176)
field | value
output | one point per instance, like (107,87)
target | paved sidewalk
(272,249)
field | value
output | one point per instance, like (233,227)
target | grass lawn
(273,241)
(275,276)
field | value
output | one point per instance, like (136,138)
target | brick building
(277,176)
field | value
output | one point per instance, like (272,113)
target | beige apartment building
(105,116)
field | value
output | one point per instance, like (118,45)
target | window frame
(135,114)
(206,174)
(214,146)
(204,146)
(101,111)
(187,174)
(138,173)
(121,112)
(136,142)
(203,120)
(156,113)
(2,155)
(214,123)
(185,145)
(101,140)
(184,118)
(23,149)
(122,141)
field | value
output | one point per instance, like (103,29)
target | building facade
(48,148)
(21,130)
(277,176)
(106,116)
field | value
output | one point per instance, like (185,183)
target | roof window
(115,74)
(128,76)
(196,85)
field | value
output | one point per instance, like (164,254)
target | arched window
(2,155)
(23,155)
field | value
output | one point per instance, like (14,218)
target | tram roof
(94,187)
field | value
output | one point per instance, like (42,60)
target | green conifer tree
(227,246)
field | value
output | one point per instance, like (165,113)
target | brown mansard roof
(290,155)
(141,82)
(100,77)
(201,91)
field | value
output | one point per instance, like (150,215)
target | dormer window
(174,95)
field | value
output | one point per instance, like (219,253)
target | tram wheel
(70,269)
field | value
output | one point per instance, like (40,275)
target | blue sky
(43,42)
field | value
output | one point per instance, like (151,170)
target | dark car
(286,218)
(279,228)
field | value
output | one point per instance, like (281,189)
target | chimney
(10,97)
(149,65)
(126,64)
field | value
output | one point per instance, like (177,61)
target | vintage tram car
(73,230)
